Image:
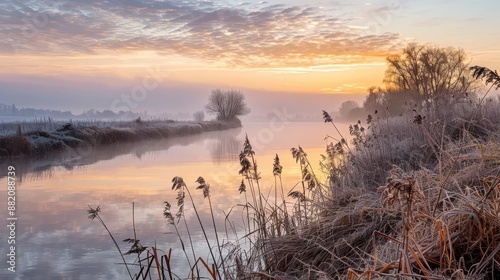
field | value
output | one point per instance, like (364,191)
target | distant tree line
(12,110)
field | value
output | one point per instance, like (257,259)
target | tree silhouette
(227,104)
(429,73)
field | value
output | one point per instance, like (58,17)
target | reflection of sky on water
(55,238)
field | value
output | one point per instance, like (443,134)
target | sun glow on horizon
(126,66)
(282,47)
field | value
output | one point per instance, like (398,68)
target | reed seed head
(94,213)
(178,215)
(298,195)
(327,117)
(203,186)
(180,198)
(200,181)
(178,183)
(247,147)
(277,168)
(242,187)
(245,164)
(418,119)
(168,214)
(299,155)
(136,248)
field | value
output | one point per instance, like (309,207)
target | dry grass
(16,145)
(436,212)
(412,141)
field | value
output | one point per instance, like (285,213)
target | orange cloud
(238,36)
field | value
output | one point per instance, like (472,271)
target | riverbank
(70,136)
(414,196)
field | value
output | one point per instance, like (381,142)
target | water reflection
(223,146)
(225,149)
(58,241)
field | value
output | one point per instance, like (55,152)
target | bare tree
(199,116)
(227,104)
(429,73)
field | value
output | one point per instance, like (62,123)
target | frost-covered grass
(49,124)
(416,195)
(39,137)
(419,138)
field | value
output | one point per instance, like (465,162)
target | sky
(166,56)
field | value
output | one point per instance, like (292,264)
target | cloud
(345,88)
(247,34)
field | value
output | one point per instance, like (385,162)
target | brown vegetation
(414,196)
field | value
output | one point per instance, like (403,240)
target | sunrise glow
(287,47)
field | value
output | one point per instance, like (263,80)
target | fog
(78,94)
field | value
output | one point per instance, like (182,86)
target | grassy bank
(415,196)
(29,139)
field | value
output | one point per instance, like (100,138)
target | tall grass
(415,196)
(433,177)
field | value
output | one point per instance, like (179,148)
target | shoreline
(73,137)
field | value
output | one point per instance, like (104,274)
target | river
(56,240)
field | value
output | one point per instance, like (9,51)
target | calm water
(56,240)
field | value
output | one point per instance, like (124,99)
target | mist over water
(168,97)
